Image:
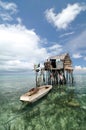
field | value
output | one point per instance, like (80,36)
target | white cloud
(19,20)
(6,17)
(66,34)
(55,49)
(79,69)
(63,19)
(77,56)
(7,10)
(8,6)
(19,48)
(84,58)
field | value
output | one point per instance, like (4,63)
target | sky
(33,30)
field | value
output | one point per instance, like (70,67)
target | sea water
(63,108)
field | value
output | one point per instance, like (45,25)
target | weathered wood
(61,64)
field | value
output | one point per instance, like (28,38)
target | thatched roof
(61,57)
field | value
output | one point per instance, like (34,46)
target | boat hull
(34,95)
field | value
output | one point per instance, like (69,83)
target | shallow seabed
(64,108)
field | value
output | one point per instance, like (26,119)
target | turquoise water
(64,108)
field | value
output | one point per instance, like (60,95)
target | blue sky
(33,30)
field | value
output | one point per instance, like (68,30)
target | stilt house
(59,69)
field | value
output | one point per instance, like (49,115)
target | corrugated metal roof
(61,57)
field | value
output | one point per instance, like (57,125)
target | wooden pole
(36,79)
(72,76)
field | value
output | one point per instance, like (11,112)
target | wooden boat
(36,93)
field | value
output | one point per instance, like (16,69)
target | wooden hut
(59,69)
